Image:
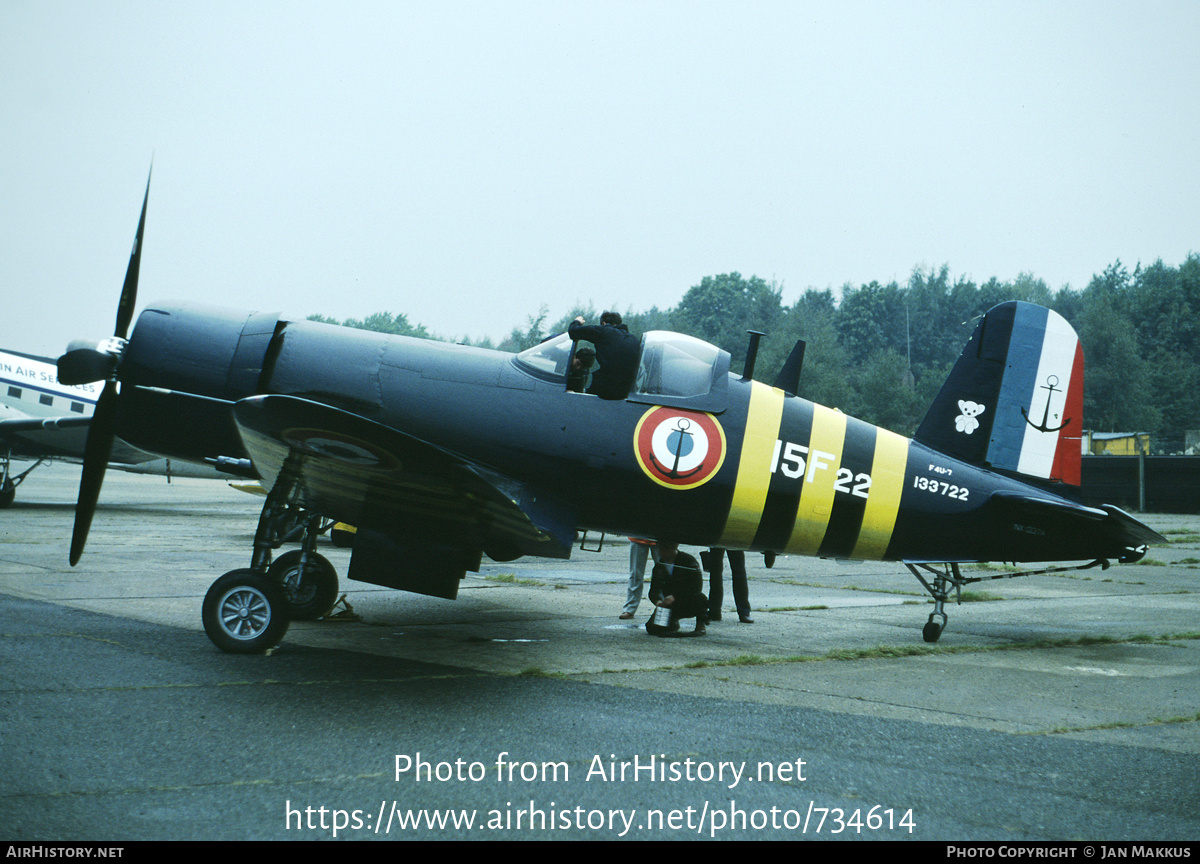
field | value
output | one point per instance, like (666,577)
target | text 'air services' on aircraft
(441,454)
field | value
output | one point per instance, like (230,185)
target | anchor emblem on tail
(1052,386)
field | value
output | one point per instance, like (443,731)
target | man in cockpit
(581,367)
(616,352)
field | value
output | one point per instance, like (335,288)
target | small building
(1116,443)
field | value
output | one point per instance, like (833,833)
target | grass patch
(740,660)
(884,652)
(1120,724)
(979,597)
(746,660)
(510,579)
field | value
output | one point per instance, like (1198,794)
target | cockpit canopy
(673,369)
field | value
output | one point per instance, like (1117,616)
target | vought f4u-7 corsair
(441,454)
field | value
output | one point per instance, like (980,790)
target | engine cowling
(183,368)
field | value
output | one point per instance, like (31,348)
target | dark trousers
(716,590)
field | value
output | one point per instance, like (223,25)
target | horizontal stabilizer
(1138,534)
(1060,507)
(1063,522)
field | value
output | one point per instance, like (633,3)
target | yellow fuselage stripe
(816,495)
(754,469)
(879,518)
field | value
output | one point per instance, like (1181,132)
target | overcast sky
(465,163)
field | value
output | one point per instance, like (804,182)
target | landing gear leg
(8,489)
(943,581)
(309,581)
(9,483)
(949,577)
(282,517)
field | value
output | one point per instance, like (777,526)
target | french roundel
(679,449)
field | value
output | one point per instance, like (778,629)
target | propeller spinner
(87,362)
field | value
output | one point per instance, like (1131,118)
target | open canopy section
(673,369)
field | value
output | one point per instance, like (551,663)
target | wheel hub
(245,613)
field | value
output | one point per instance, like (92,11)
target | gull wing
(358,471)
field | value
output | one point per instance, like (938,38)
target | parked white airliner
(41,420)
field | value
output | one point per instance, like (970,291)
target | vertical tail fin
(1014,400)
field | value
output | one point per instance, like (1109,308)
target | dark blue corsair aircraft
(441,454)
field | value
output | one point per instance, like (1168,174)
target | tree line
(881,352)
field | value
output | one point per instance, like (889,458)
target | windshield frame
(548,360)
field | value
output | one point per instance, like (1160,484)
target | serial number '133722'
(789,460)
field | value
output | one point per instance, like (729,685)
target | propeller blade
(83,364)
(95,460)
(129,291)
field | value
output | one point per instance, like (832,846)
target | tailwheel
(309,583)
(245,613)
(933,628)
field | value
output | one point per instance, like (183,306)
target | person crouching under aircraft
(676,585)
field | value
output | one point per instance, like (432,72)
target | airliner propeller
(87,362)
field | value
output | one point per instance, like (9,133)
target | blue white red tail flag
(1015,398)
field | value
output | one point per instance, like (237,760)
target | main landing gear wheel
(244,613)
(310,596)
(8,493)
